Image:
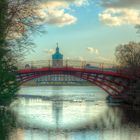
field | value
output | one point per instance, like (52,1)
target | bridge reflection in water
(111,122)
(67,119)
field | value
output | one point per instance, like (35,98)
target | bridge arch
(113,83)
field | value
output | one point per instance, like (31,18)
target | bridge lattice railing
(68,63)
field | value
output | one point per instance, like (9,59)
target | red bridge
(104,75)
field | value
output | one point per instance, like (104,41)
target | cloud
(49,51)
(120,12)
(120,3)
(93,50)
(81,2)
(57,17)
(120,16)
(54,12)
(65,3)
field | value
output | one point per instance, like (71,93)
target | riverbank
(132,100)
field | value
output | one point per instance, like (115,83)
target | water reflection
(7,123)
(58,119)
(57,109)
(65,121)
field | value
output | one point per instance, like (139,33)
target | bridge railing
(67,63)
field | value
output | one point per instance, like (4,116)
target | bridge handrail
(88,65)
(67,63)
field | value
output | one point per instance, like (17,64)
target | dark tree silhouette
(17,21)
(128,56)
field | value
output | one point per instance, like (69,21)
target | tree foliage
(128,55)
(17,21)
(21,22)
(8,83)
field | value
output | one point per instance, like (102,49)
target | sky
(85,29)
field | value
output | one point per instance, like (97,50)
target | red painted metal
(75,70)
(86,74)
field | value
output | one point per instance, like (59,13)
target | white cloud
(81,2)
(120,16)
(120,3)
(57,17)
(66,3)
(49,51)
(54,12)
(53,4)
(93,50)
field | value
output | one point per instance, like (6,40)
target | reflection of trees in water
(113,118)
(7,123)
(117,117)
(131,115)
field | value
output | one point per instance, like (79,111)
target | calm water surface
(68,113)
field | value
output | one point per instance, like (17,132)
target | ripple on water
(71,113)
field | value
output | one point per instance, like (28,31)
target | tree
(128,56)
(17,21)
(8,121)
(21,21)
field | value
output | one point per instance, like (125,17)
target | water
(68,113)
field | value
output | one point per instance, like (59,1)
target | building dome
(57,55)
(57,59)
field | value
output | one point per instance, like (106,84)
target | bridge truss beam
(111,82)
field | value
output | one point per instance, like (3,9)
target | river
(68,113)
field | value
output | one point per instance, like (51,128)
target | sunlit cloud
(53,12)
(49,51)
(66,3)
(81,2)
(120,3)
(93,50)
(120,12)
(57,17)
(117,17)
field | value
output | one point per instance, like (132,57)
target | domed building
(57,59)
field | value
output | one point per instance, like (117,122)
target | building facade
(57,59)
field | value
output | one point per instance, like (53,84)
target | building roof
(57,55)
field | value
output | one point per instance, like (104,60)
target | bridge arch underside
(58,79)
(113,85)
